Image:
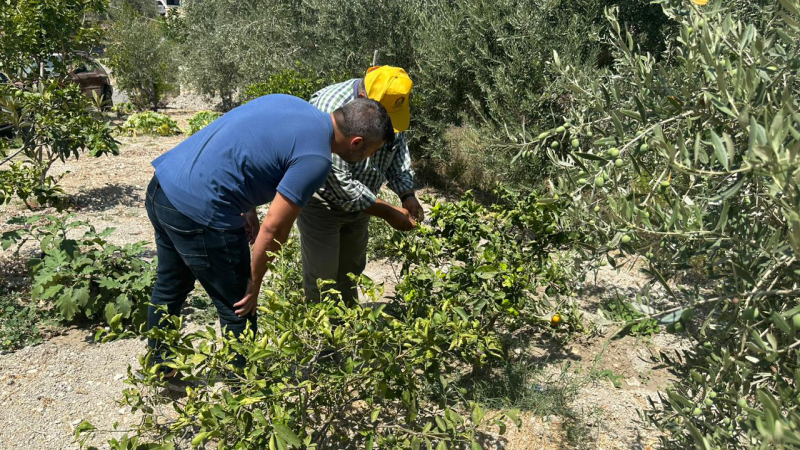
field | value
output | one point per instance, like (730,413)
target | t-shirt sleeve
(305,175)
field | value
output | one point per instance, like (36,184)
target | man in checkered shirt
(334,224)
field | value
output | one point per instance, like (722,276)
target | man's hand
(414,208)
(400,219)
(273,234)
(248,304)
(251,225)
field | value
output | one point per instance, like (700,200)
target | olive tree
(143,58)
(692,161)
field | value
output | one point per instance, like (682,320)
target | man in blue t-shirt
(202,198)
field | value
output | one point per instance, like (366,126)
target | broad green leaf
(287,435)
(67,306)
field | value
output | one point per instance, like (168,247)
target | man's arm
(400,177)
(399,218)
(273,233)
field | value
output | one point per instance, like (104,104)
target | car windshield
(80,64)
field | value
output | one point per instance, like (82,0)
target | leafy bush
(52,122)
(19,322)
(298,82)
(123,109)
(51,119)
(142,58)
(387,375)
(201,119)
(149,122)
(364,369)
(692,161)
(444,277)
(33,32)
(84,277)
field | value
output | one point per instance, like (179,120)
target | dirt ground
(47,389)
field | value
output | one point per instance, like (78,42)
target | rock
(633,382)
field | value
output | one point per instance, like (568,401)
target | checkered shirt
(354,186)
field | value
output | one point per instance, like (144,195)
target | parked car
(85,71)
(163,6)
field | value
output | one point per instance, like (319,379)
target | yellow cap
(390,86)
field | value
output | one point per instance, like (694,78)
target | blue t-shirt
(273,143)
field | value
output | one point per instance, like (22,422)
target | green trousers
(333,243)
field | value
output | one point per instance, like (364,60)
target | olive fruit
(751,314)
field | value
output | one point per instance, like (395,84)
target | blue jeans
(189,251)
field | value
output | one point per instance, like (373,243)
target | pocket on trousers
(190,244)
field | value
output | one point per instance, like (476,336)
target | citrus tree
(49,117)
(389,373)
(692,161)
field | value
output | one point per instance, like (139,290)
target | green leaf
(460,311)
(374,415)
(719,150)
(734,188)
(513,414)
(287,434)
(81,296)
(486,271)
(441,446)
(440,423)
(370,441)
(589,156)
(51,291)
(781,323)
(67,306)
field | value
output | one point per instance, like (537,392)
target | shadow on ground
(107,197)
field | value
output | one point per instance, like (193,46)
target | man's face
(358,152)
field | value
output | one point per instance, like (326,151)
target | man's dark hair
(366,118)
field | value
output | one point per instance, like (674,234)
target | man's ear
(356,142)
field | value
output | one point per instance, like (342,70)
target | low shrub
(380,374)
(201,119)
(123,109)
(149,122)
(87,277)
(298,82)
